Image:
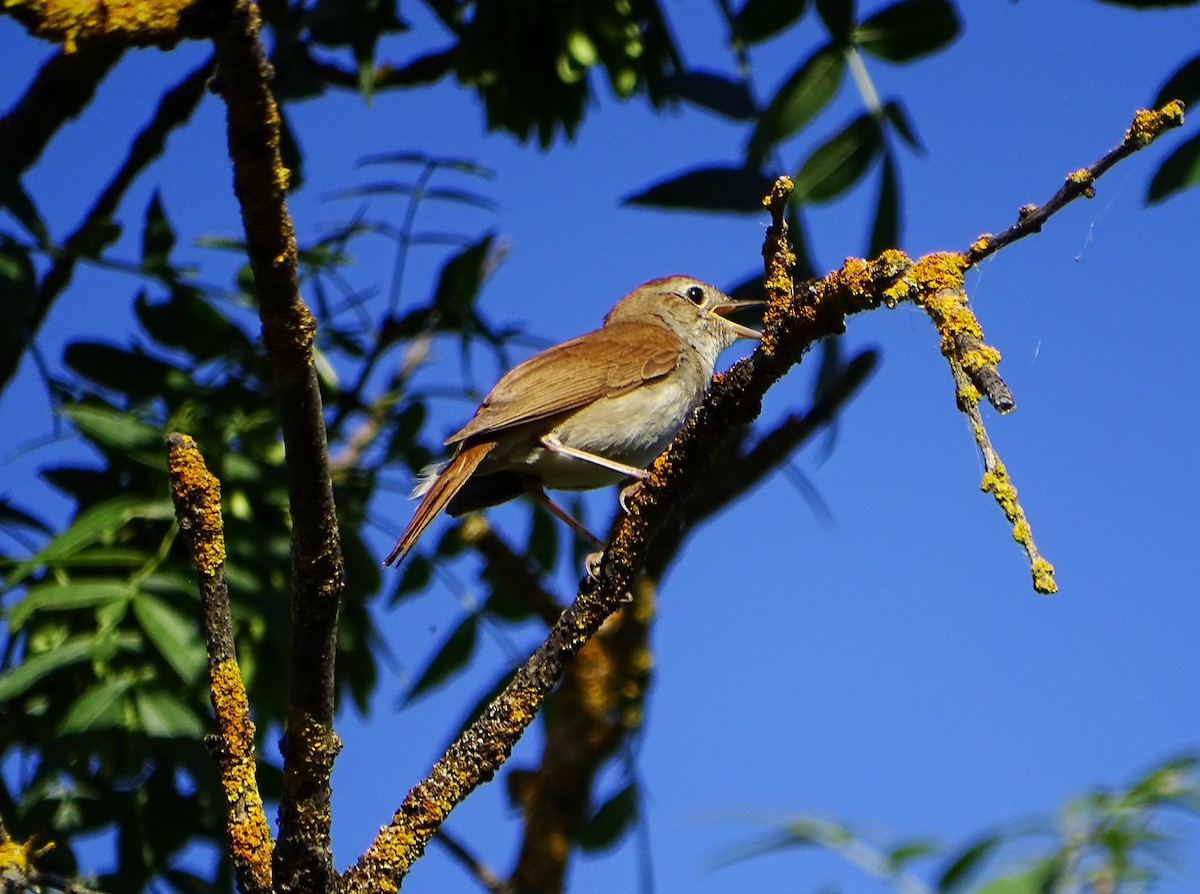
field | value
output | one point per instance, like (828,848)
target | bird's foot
(591,563)
(627,493)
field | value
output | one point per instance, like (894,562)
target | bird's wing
(600,363)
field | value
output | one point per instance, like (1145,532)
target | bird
(588,412)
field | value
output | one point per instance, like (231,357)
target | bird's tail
(437,493)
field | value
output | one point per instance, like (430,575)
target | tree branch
(796,318)
(303,859)
(1148,125)
(139,23)
(197,497)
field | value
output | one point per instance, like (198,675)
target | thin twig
(197,496)
(1148,125)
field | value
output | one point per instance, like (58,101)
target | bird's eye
(695,295)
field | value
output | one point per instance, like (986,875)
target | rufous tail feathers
(441,491)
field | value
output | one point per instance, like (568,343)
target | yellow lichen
(980,245)
(1043,577)
(780,190)
(71,21)
(197,496)
(977,358)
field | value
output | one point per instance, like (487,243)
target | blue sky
(893,669)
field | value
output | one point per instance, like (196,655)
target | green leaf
(19,679)
(963,867)
(459,282)
(18,285)
(65,597)
(20,206)
(117,429)
(101,707)
(1183,85)
(1038,880)
(895,113)
(608,824)
(392,188)
(158,237)
(93,238)
(173,634)
(908,30)
(166,717)
(729,190)
(444,162)
(715,92)
(885,229)
(92,525)
(838,16)
(189,323)
(11,516)
(898,856)
(759,19)
(807,90)
(840,162)
(128,371)
(452,656)
(1180,171)
(898,117)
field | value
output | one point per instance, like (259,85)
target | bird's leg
(554,445)
(534,487)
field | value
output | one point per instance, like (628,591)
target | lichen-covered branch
(197,496)
(303,859)
(797,316)
(139,23)
(598,705)
(1148,125)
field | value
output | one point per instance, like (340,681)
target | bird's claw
(627,493)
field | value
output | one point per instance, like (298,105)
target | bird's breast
(631,428)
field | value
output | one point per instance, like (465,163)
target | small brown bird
(589,412)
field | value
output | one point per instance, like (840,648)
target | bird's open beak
(732,304)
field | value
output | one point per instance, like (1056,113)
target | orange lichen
(780,190)
(1000,486)
(1149,123)
(249,834)
(1083,178)
(980,245)
(197,495)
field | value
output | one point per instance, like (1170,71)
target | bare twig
(1148,125)
(197,496)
